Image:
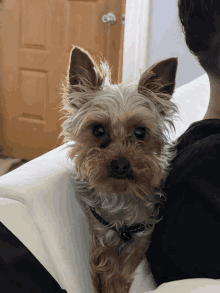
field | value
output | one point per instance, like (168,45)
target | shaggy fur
(106,122)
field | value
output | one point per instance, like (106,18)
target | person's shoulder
(196,132)
(191,148)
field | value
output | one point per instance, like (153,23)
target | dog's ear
(160,77)
(83,70)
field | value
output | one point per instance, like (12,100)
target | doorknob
(109,18)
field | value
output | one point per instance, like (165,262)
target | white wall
(165,40)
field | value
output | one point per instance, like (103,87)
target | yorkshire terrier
(121,154)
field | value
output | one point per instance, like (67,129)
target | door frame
(136,53)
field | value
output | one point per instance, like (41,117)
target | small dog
(121,156)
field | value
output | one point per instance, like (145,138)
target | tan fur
(88,99)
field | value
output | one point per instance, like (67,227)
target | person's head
(200,23)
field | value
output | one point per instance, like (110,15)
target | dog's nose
(120,166)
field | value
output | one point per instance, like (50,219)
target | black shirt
(185,243)
(20,271)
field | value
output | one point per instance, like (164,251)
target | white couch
(38,205)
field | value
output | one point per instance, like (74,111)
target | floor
(8,164)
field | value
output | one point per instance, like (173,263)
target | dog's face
(118,130)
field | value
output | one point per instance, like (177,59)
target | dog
(121,154)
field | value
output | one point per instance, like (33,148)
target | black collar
(124,232)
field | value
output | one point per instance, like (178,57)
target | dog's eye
(140,132)
(98,130)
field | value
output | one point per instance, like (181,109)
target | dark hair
(200,23)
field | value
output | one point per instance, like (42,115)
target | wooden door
(37,36)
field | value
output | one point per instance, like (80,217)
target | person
(185,243)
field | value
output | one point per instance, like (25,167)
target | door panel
(37,36)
